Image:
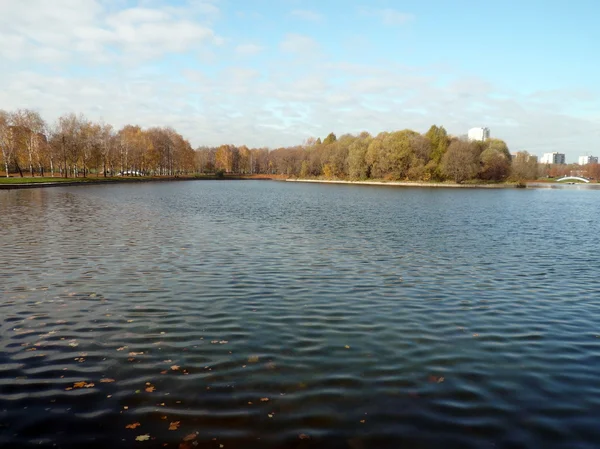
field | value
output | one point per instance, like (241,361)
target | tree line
(76,146)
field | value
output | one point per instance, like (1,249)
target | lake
(257,314)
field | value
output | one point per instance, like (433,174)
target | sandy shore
(412,184)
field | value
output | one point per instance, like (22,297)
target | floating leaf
(90,385)
(151,389)
(475,335)
(264,399)
(144,437)
(347,347)
(174,425)
(362,421)
(253,359)
(270,415)
(79,384)
(134,425)
(122,348)
(133,354)
(304,436)
(175,367)
(106,380)
(190,437)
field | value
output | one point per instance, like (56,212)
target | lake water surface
(250,314)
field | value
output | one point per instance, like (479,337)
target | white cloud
(65,29)
(124,73)
(248,49)
(299,44)
(388,16)
(393,17)
(306,14)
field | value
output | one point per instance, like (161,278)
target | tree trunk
(51,167)
(19,168)
(6,167)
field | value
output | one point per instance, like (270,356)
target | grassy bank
(28,182)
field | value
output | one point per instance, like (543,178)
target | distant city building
(553,158)
(584,160)
(524,156)
(478,134)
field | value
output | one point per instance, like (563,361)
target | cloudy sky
(275,72)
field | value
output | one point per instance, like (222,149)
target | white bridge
(572,178)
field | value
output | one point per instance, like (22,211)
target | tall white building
(553,158)
(479,134)
(584,160)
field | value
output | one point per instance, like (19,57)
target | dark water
(369,317)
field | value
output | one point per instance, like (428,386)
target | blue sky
(274,73)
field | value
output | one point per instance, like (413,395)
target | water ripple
(276,315)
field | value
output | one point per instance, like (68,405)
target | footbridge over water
(572,178)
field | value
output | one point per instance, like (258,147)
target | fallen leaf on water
(133,354)
(69,388)
(145,437)
(163,372)
(90,385)
(130,321)
(223,342)
(122,348)
(79,384)
(175,367)
(190,437)
(304,436)
(347,347)
(163,417)
(253,359)
(174,425)
(270,415)
(264,399)
(151,389)
(362,421)
(475,335)
(106,380)
(134,425)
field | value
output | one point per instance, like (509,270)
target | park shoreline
(91,181)
(412,184)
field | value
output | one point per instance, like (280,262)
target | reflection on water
(261,314)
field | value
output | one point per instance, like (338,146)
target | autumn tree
(329,139)
(6,146)
(524,166)
(460,161)
(31,125)
(357,157)
(439,141)
(495,165)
